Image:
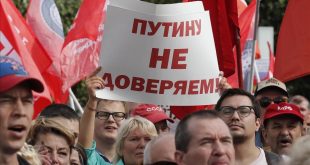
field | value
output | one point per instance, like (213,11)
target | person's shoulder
(272,158)
(22,161)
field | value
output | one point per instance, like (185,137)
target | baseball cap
(274,110)
(151,112)
(272,82)
(12,73)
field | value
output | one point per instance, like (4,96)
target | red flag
(44,19)
(247,27)
(80,53)
(224,21)
(233,80)
(181,111)
(17,42)
(293,50)
(242,5)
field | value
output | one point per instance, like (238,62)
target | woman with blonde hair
(131,140)
(52,141)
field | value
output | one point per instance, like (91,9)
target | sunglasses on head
(265,101)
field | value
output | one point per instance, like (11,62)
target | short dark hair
(182,134)
(59,110)
(236,92)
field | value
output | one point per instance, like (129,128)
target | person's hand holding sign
(93,83)
(87,125)
(223,85)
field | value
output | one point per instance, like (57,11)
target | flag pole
(239,60)
(71,102)
(79,107)
(250,89)
(256,72)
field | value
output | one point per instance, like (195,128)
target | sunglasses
(266,101)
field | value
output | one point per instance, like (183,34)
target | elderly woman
(131,140)
(52,141)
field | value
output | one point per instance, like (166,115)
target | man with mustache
(268,92)
(16,108)
(283,125)
(242,115)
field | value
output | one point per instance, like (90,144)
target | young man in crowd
(16,109)
(155,114)
(99,123)
(242,115)
(283,125)
(203,138)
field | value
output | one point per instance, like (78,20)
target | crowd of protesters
(264,128)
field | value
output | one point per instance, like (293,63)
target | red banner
(293,50)
(224,21)
(80,53)
(17,42)
(44,19)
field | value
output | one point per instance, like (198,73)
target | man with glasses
(242,115)
(99,124)
(268,92)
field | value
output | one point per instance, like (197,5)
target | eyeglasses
(265,101)
(243,111)
(117,116)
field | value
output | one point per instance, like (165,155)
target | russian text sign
(159,59)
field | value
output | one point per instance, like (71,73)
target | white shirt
(261,160)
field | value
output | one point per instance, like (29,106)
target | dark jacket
(272,158)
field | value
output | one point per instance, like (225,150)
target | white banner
(159,59)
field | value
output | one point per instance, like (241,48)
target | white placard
(159,9)
(189,74)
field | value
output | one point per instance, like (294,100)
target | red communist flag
(80,53)
(17,42)
(224,22)
(293,50)
(44,20)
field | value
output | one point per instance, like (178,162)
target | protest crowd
(263,126)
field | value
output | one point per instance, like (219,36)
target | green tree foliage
(271,13)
